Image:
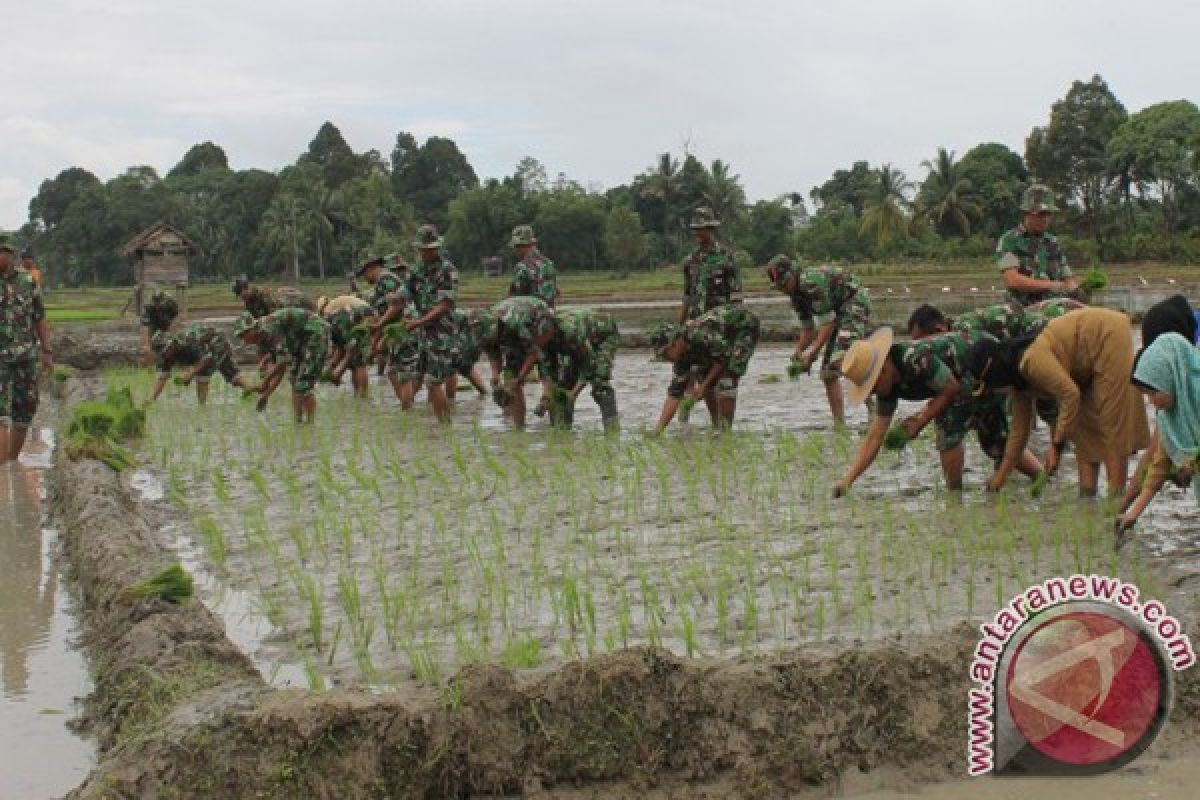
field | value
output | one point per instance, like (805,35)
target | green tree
(997,176)
(1070,153)
(623,241)
(885,211)
(723,193)
(1156,146)
(481,221)
(282,228)
(661,186)
(200,158)
(847,188)
(330,153)
(56,194)
(570,226)
(429,177)
(946,199)
(768,230)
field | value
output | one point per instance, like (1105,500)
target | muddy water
(41,671)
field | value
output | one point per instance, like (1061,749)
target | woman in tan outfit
(1082,360)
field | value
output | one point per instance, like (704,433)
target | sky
(786,92)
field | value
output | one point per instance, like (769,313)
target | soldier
(933,369)
(429,292)
(834,310)
(580,352)
(1001,320)
(350,339)
(385,286)
(523,326)
(534,275)
(477,328)
(24,334)
(201,347)
(302,340)
(1031,263)
(718,344)
(260,300)
(710,275)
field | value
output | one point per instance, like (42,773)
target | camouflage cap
(371,260)
(1038,197)
(703,217)
(523,234)
(427,238)
(245,322)
(239,285)
(779,269)
(661,334)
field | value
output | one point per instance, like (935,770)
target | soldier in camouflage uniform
(303,337)
(201,347)
(834,311)
(932,368)
(523,325)
(350,339)
(426,300)
(580,352)
(398,357)
(710,274)
(718,344)
(260,301)
(534,274)
(24,334)
(1031,263)
(474,328)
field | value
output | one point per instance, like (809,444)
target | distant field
(88,305)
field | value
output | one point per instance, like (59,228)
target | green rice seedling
(425,665)
(214,537)
(172,585)
(312,674)
(522,652)
(896,438)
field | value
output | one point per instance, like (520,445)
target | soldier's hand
(841,489)
(261,405)
(1122,525)
(994,484)
(1184,475)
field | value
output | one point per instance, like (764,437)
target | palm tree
(281,226)
(724,193)
(663,184)
(947,199)
(323,209)
(885,212)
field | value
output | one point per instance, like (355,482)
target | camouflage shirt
(385,286)
(289,330)
(710,279)
(535,276)
(426,285)
(1034,257)
(20,309)
(581,334)
(520,320)
(344,324)
(188,346)
(926,367)
(1005,321)
(726,335)
(821,294)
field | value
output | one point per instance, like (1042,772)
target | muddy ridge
(180,712)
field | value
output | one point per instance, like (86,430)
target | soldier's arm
(160,382)
(867,451)
(439,310)
(710,379)
(1015,281)
(199,367)
(820,336)
(933,409)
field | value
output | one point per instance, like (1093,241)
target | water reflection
(27,582)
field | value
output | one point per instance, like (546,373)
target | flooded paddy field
(385,550)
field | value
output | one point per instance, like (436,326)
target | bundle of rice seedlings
(1039,484)
(687,404)
(172,585)
(1094,279)
(896,438)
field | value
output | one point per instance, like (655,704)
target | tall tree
(847,188)
(946,198)
(329,151)
(769,230)
(282,228)
(997,176)
(56,194)
(885,210)
(200,158)
(430,176)
(724,194)
(623,242)
(1157,147)
(662,185)
(1070,153)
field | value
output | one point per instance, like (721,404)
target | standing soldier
(718,344)
(385,286)
(933,368)
(834,310)
(429,289)
(523,325)
(534,275)
(580,352)
(1031,263)
(24,334)
(350,339)
(301,338)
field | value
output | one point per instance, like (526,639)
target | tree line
(1130,184)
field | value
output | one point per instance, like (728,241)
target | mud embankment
(180,712)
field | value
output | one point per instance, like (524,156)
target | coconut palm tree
(282,224)
(946,199)
(885,212)
(724,193)
(663,184)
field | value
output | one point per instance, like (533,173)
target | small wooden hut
(160,260)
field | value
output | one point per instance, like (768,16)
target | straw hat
(864,361)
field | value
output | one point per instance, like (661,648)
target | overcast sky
(785,91)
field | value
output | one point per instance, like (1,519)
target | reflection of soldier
(1031,263)
(26,606)
(718,344)
(932,368)
(833,310)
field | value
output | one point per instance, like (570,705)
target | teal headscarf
(1171,364)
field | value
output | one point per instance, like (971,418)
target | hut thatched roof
(158,234)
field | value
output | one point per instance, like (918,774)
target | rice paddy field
(387,551)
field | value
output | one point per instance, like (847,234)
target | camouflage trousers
(18,392)
(404,360)
(220,354)
(308,365)
(468,357)
(727,384)
(441,353)
(849,326)
(988,417)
